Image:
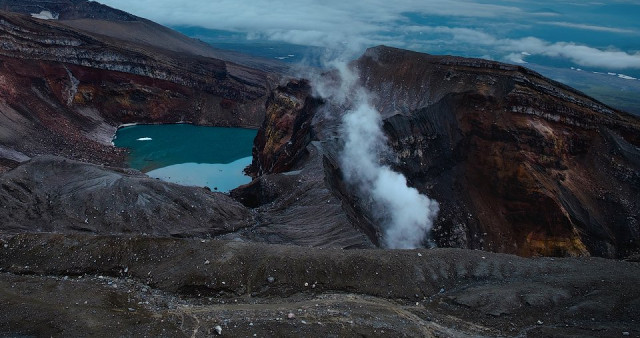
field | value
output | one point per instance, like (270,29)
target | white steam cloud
(406,215)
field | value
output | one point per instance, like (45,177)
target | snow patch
(626,77)
(45,15)
(515,58)
(73,88)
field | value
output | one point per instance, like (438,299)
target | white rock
(218,329)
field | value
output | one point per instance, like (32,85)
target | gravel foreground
(86,285)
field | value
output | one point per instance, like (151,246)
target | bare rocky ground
(83,285)
(54,194)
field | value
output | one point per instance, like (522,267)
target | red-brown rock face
(518,163)
(286,130)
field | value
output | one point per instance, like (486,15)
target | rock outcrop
(286,130)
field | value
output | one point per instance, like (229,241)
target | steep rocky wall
(293,190)
(286,130)
(518,163)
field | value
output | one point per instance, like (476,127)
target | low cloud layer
(588,27)
(517,49)
(355,25)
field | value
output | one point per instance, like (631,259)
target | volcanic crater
(521,166)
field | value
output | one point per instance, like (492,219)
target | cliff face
(518,163)
(286,130)
(64,91)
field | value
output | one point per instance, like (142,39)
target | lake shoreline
(187,154)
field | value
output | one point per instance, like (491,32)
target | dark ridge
(68,9)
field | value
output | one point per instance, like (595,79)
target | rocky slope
(64,91)
(52,194)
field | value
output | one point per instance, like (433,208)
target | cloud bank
(516,49)
(355,25)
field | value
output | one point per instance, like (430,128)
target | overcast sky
(487,28)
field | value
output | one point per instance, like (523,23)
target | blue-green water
(190,155)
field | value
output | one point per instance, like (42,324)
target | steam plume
(405,214)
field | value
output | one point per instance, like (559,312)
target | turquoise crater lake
(189,155)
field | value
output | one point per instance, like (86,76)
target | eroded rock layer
(286,130)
